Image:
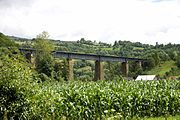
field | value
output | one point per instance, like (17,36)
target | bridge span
(99,74)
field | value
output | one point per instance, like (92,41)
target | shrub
(16,85)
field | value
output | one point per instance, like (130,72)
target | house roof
(146,77)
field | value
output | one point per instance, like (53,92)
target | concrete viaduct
(99,74)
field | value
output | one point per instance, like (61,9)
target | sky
(146,21)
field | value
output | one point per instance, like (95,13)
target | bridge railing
(84,56)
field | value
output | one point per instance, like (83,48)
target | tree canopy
(44,59)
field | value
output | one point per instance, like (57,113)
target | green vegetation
(156,55)
(177,117)
(44,59)
(92,100)
(6,41)
(162,68)
(138,48)
(44,92)
(165,118)
(97,100)
(16,84)
(178,61)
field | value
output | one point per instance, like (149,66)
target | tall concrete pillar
(70,69)
(125,68)
(99,73)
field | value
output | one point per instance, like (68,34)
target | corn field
(96,100)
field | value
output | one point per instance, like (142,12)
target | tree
(82,40)
(150,63)
(178,61)
(44,58)
(42,44)
(115,44)
(156,58)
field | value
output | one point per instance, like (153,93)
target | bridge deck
(82,56)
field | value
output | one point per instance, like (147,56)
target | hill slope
(163,68)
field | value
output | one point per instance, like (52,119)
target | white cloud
(147,21)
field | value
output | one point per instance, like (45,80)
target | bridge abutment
(125,68)
(99,72)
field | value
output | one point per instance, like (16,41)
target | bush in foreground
(16,85)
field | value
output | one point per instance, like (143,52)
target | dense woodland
(42,91)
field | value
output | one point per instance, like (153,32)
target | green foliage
(150,63)
(83,70)
(96,100)
(156,58)
(162,69)
(42,44)
(164,118)
(112,71)
(5,41)
(45,64)
(16,85)
(44,59)
(21,98)
(61,70)
(178,61)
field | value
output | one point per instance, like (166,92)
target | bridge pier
(125,68)
(99,73)
(139,64)
(30,58)
(70,69)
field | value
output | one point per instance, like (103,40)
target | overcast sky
(146,21)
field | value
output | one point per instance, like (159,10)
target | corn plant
(96,100)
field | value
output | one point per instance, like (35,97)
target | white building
(146,77)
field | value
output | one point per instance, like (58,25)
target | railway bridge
(99,74)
